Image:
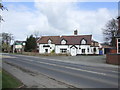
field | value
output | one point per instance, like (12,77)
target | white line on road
(57,60)
(68,67)
(69,62)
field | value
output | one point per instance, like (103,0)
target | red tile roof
(71,40)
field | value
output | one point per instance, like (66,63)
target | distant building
(72,44)
(18,46)
(106,48)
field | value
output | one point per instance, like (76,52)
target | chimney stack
(75,32)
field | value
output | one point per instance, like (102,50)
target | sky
(52,18)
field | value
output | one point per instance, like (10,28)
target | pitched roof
(71,40)
(19,42)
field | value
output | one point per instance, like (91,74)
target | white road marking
(68,62)
(68,67)
(58,60)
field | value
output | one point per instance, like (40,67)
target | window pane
(119,47)
(118,40)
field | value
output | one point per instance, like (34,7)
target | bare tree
(36,33)
(110,31)
(2,8)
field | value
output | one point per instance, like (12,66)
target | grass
(37,54)
(8,81)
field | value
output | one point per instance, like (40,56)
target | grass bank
(37,54)
(8,81)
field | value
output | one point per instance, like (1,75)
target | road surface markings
(92,78)
(63,61)
(73,63)
(67,67)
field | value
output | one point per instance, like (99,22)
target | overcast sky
(53,18)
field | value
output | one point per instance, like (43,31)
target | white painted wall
(58,47)
(42,49)
(18,46)
(97,50)
(69,51)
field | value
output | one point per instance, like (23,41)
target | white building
(73,44)
(18,46)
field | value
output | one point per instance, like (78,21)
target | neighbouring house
(18,46)
(114,56)
(72,44)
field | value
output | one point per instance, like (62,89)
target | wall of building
(50,49)
(69,50)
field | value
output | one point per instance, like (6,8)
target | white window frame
(49,41)
(63,50)
(83,41)
(118,45)
(63,42)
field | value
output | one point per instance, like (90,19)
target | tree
(5,40)
(110,31)
(30,44)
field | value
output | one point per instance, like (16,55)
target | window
(63,50)
(83,41)
(88,49)
(119,40)
(94,50)
(49,41)
(46,45)
(119,48)
(46,50)
(63,42)
(83,50)
(118,45)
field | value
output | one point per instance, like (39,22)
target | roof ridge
(66,35)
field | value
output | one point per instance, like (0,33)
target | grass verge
(8,81)
(0,79)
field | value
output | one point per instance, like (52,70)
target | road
(77,75)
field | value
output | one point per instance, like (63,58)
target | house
(114,56)
(118,36)
(72,44)
(18,46)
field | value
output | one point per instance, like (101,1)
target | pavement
(34,79)
(79,72)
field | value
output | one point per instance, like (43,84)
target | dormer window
(83,41)
(49,41)
(63,41)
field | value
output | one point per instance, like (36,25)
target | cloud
(55,19)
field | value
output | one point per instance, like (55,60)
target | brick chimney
(75,32)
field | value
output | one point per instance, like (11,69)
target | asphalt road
(78,75)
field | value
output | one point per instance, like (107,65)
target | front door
(73,51)
(46,50)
